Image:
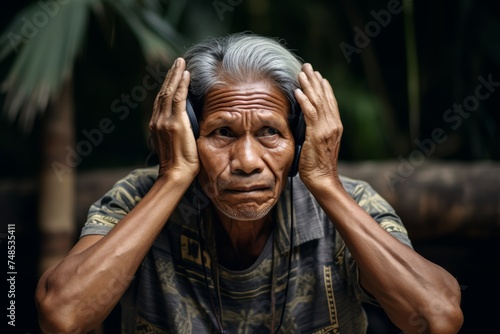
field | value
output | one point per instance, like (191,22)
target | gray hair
(240,58)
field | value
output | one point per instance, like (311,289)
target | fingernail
(176,62)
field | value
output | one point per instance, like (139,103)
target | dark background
(456,42)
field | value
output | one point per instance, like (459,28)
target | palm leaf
(157,39)
(44,61)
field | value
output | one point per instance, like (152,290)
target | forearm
(403,282)
(418,295)
(80,291)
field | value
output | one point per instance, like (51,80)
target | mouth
(246,189)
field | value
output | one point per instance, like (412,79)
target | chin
(244,214)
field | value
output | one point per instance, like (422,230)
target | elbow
(46,308)
(443,322)
(48,318)
(56,320)
(445,317)
(443,314)
(52,318)
(56,316)
(449,321)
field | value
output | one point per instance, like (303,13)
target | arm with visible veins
(66,293)
(417,295)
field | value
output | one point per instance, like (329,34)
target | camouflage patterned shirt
(170,291)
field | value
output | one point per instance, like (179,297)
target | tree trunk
(57,180)
(437,198)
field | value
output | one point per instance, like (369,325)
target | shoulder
(139,177)
(123,196)
(355,186)
(364,194)
(134,185)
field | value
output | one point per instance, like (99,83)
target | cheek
(281,158)
(213,161)
(209,153)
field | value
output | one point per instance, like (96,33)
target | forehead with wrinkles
(258,96)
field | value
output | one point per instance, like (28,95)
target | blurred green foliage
(441,52)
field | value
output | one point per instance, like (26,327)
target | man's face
(246,148)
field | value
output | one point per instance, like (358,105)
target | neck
(240,243)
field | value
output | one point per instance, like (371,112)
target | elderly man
(223,236)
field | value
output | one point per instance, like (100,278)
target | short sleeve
(383,213)
(378,208)
(106,212)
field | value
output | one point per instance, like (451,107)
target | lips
(246,189)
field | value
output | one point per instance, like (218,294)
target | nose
(247,156)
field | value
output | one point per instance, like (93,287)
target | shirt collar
(306,216)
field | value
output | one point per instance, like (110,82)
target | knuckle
(338,131)
(165,92)
(318,102)
(176,127)
(169,91)
(153,127)
(177,98)
(153,124)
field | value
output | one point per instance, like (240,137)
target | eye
(223,132)
(268,132)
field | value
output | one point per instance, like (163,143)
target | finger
(176,69)
(311,83)
(319,76)
(305,83)
(314,78)
(326,103)
(306,94)
(332,100)
(180,96)
(307,107)
(169,87)
(156,108)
